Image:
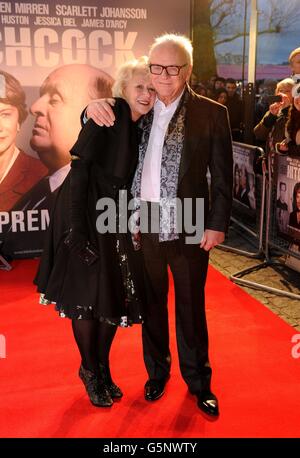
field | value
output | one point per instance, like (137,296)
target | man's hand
(211,238)
(101,112)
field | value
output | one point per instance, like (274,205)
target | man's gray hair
(181,41)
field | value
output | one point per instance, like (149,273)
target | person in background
(18,171)
(94,275)
(291,144)
(266,89)
(235,109)
(197,87)
(271,128)
(219,83)
(193,80)
(221,96)
(294,60)
(200,89)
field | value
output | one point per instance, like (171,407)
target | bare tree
(222,22)
(203,39)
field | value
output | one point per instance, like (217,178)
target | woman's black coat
(108,158)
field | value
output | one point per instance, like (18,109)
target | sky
(271,48)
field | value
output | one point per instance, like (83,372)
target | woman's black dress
(112,287)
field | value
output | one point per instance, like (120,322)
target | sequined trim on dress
(84,313)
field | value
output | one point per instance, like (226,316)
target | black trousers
(188,265)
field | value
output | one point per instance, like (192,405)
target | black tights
(94,339)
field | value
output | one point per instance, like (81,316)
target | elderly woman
(18,171)
(94,274)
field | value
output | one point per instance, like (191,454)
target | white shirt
(58,177)
(150,185)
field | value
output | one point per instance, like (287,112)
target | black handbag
(86,253)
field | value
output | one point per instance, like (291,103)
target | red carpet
(254,374)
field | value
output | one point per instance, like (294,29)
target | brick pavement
(277,277)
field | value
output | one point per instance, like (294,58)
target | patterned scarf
(170,162)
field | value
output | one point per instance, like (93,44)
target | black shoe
(97,391)
(154,389)
(208,403)
(105,376)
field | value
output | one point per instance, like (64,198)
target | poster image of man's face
(63,96)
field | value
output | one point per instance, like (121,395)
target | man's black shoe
(208,403)
(154,389)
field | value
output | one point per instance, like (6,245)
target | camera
(86,253)
(274,99)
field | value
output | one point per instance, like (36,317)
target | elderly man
(63,95)
(184,135)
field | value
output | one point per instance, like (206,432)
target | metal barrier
(254,219)
(271,240)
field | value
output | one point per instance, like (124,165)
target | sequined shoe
(105,377)
(96,390)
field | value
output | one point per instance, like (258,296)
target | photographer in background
(294,60)
(271,128)
(291,144)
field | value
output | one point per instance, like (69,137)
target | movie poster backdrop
(49,53)
(287,204)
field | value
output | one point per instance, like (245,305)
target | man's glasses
(171,70)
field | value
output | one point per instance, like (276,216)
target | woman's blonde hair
(126,72)
(293,54)
(285,82)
